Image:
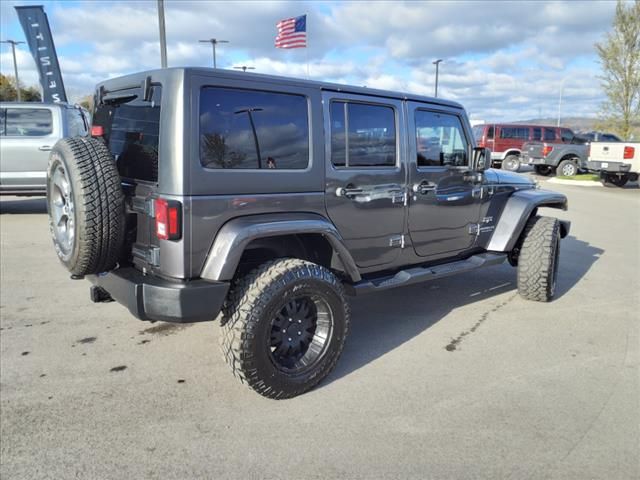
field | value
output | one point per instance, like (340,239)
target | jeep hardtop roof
(136,80)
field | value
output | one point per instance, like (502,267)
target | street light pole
(15,65)
(560,101)
(214,42)
(249,112)
(163,35)
(437,64)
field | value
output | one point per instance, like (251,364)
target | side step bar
(422,274)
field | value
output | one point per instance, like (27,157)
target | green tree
(620,59)
(87,103)
(8,91)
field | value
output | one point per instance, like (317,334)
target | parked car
(264,200)
(28,131)
(565,159)
(599,137)
(616,162)
(506,140)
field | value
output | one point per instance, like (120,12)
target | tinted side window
(609,138)
(440,140)
(245,129)
(132,131)
(549,134)
(338,134)
(490,132)
(567,135)
(3,119)
(371,137)
(537,133)
(76,123)
(28,122)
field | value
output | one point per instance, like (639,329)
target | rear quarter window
(250,129)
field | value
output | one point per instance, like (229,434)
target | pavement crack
(453,345)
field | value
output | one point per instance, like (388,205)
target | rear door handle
(45,148)
(424,187)
(348,192)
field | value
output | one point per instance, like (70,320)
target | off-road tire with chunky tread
(98,200)
(246,319)
(538,259)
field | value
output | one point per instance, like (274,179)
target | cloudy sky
(503,60)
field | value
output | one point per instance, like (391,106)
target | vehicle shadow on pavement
(381,322)
(576,258)
(23,206)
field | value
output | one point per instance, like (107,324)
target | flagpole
(307,47)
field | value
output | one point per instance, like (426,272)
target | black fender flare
(234,236)
(517,211)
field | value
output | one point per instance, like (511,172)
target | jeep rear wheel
(86,205)
(511,163)
(284,327)
(538,259)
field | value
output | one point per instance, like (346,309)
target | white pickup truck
(617,163)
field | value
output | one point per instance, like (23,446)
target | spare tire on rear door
(86,205)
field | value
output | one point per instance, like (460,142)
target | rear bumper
(152,298)
(614,167)
(526,159)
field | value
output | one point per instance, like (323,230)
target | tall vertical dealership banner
(36,28)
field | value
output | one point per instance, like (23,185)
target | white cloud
(502,60)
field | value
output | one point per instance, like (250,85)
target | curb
(577,183)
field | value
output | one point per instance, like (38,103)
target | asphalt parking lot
(458,378)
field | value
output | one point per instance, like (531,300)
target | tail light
(629,152)
(97,131)
(168,219)
(546,150)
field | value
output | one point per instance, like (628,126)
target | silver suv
(28,131)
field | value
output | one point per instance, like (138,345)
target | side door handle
(349,191)
(44,148)
(423,187)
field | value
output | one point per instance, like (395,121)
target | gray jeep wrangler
(264,201)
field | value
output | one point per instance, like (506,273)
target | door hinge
(397,241)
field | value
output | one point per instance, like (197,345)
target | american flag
(292,32)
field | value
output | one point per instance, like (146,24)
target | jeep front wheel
(284,327)
(539,258)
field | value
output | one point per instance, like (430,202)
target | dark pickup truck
(565,159)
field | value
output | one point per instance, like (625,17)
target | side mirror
(480,159)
